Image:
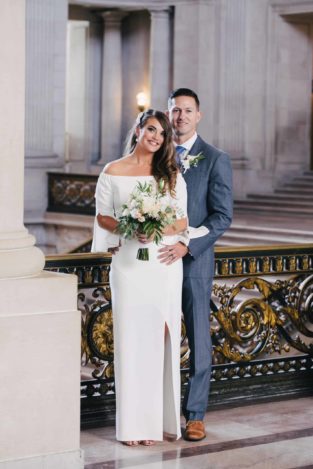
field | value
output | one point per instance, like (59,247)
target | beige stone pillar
(18,255)
(160,61)
(232,79)
(39,321)
(111,112)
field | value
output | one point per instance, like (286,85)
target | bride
(146,295)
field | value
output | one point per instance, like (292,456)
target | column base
(40,372)
(66,460)
(21,262)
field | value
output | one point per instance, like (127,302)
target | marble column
(46,23)
(160,57)
(39,321)
(18,255)
(111,111)
(232,79)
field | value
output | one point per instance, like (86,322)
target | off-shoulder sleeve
(103,239)
(181,196)
(104,196)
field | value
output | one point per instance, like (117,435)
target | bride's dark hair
(163,163)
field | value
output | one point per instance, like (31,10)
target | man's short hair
(183,92)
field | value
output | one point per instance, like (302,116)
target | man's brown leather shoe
(195,430)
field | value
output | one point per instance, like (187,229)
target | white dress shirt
(188,144)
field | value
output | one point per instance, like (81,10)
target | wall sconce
(142,101)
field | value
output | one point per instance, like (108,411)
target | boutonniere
(191,161)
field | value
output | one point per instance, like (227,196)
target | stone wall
(249,60)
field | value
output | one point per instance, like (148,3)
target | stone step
(306,176)
(274,203)
(265,238)
(269,230)
(290,198)
(304,191)
(302,179)
(297,185)
(252,206)
(260,231)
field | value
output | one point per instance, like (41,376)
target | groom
(209,186)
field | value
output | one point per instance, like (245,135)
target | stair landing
(284,216)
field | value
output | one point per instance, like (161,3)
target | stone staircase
(255,235)
(282,217)
(293,198)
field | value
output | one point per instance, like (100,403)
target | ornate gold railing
(71,193)
(261,326)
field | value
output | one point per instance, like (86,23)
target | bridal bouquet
(146,212)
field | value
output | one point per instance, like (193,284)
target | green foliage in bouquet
(147,212)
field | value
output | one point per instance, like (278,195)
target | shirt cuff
(183,238)
(197,232)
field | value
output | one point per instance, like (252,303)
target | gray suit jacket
(210,204)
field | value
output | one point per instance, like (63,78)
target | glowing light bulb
(142,101)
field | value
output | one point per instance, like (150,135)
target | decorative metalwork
(71,193)
(265,260)
(91,269)
(97,333)
(246,328)
(261,368)
(261,321)
(243,327)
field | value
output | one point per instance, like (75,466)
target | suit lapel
(196,147)
(191,174)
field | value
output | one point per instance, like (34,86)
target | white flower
(133,204)
(191,161)
(148,205)
(186,165)
(135,213)
(125,212)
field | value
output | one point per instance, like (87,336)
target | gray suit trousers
(196,309)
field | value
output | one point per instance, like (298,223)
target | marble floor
(276,435)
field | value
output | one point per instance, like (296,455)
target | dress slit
(171,414)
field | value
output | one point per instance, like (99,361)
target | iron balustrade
(261,327)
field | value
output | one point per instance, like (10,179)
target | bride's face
(151,136)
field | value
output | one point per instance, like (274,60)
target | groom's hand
(171,253)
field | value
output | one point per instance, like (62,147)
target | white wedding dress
(146,296)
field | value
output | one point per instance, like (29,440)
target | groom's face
(184,116)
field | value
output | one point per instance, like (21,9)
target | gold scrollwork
(253,317)
(258,325)
(102,334)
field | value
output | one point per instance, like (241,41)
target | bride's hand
(142,238)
